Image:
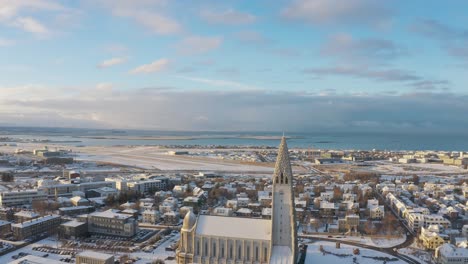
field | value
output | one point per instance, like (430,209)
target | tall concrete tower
(284,240)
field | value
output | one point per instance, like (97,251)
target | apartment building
(21,197)
(67,189)
(112,222)
(147,186)
(36,226)
(449,254)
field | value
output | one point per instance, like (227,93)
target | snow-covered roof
(111,214)
(73,223)
(28,214)
(94,255)
(234,227)
(31,259)
(35,221)
(449,250)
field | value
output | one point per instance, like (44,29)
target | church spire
(283,172)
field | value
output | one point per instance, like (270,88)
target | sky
(298,65)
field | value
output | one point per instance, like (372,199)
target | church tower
(284,240)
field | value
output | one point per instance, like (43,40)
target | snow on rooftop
(35,221)
(234,227)
(111,214)
(31,259)
(94,255)
(73,223)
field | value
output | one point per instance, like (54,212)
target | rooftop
(234,227)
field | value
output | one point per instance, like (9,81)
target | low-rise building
(150,216)
(19,198)
(430,237)
(45,224)
(73,229)
(449,254)
(92,257)
(76,210)
(5,228)
(23,216)
(113,223)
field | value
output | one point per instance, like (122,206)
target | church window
(265,253)
(214,249)
(281,177)
(230,252)
(239,252)
(222,250)
(198,248)
(256,253)
(248,253)
(206,249)
(286,180)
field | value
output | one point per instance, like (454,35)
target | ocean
(313,140)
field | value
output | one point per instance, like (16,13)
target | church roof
(234,227)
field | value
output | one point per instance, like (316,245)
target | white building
(111,222)
(449,254)
(17,198)
(150,216)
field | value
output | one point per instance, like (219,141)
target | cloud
(20,14)
(345,47)
(149,14)
(6,42)
(222,83)
(112,62)
(453,40)
(155,66)
(31,25)
(380,75)
(154,108)
(250,36)
(431,85)
(388,75)
(228,17)
(320,12)
(198,44)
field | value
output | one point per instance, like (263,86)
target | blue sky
(131,63)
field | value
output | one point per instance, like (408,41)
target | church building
(208,239)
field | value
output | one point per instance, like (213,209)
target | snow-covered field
(370,241)
(51,242)
(314,255)
(149,157)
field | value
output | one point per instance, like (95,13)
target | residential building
(73,229)
(36,226)
(19,198)
(112,222)
(430,237)
(449,254)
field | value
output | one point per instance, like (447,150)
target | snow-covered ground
(51,242)
(370,241)
(418,168)
(416,252)
(150,157)
(144,257)
(314,255)
(159,253)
